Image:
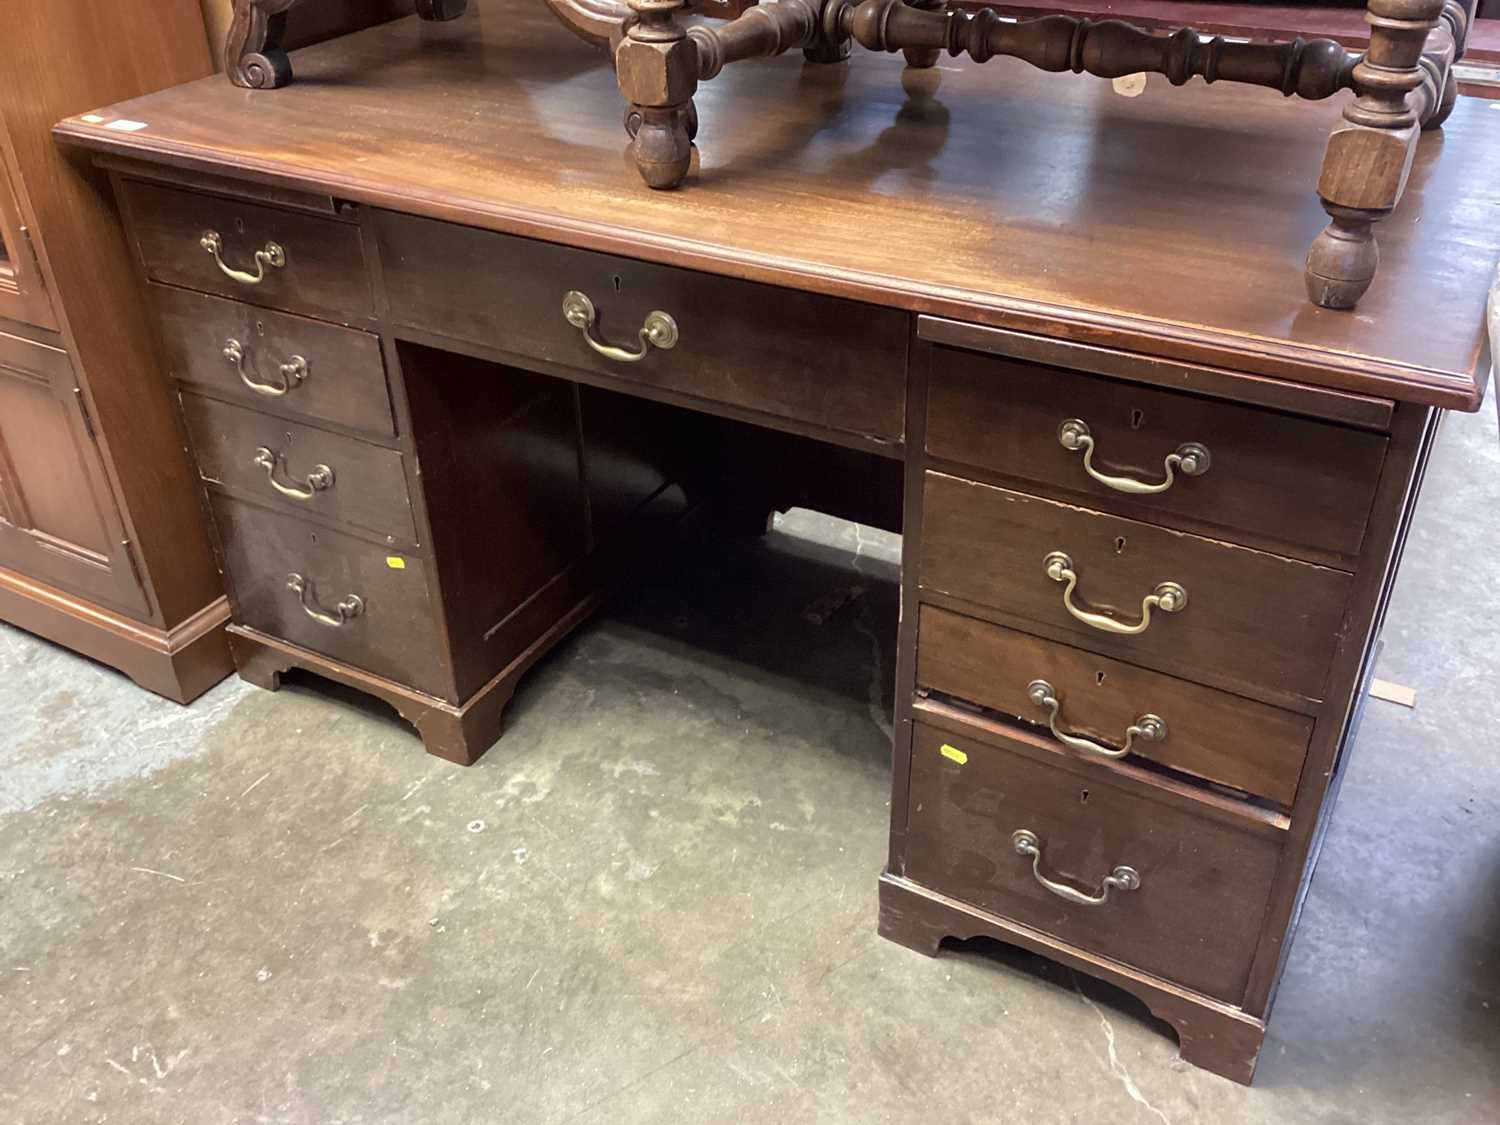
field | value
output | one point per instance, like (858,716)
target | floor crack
(1116,1067)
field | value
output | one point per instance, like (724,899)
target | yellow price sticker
(953,754)
(395,562)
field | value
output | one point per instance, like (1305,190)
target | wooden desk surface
(1172,224)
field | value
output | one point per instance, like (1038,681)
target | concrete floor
(655,899)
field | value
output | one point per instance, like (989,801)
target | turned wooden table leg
(923,57)
(253,54)
(1445,46)
(1370,152)
(656,65)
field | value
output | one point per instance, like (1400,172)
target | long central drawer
(833,364)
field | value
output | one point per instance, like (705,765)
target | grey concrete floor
(654,900)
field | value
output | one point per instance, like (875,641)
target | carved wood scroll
(253,55)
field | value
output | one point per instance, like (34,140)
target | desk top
(1172,224)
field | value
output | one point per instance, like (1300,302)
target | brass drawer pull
(318,480)
(347,609)
(1121,879)
(658,331)
(1191,458)
(1148,728)
(293,371)
(1168,597)
(271,257)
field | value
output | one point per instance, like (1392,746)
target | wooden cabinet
(1153,507)
(103,546)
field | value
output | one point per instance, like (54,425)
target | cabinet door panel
(46,461)
(58,520)
(22,296)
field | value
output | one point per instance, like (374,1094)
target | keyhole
(1099,678)
(260,328)
(616,280)
(312,536)
(1120,545)
(1136,418)
(239,226)
(1083,796)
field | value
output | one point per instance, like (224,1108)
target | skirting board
(179,663)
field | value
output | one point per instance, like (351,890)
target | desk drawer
(1275,476)
(391,628)
(274,360)
(1204,879)
(1211,734)
(321,266)
(829,363)
(1250,618)
(301,469)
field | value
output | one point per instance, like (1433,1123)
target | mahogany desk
(1152,500)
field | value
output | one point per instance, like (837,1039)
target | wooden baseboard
(180,663)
